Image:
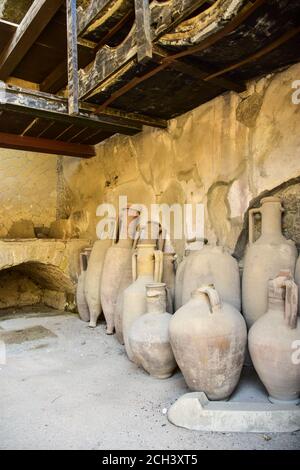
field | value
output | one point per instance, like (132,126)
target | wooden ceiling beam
(166,62)
(143,30)
(109,61)
(257,55)
(53,147)
(57,79)
(59,76)
(55,108)
(34,22)
(73,90)
(199,73)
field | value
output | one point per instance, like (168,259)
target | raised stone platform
(247,411)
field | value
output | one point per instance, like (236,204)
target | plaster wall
(28,189)
(225,154)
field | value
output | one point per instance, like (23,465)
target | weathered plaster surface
(28,189)
(223,154)
(226,154)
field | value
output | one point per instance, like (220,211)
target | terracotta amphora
(297,279)
(208,338)
(147,267)
(93,279)
(117,262)
(149,335)
(212,265)
(274,341)
(143,237)
(169,276)
(179,281)
(126,281)
(82,305)
(265,258)
(193,246)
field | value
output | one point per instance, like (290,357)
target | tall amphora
(193,247)
(265,258)
(147,267)
(116,263)
(274,339)
(212,265)
(82,305)
(93,276)
(208,338)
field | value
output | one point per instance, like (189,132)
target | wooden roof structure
(121,64)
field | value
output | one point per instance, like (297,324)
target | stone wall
(226,154)
(28,189)
(18,290)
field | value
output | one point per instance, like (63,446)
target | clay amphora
(117,261)
(212,265)
(93,279)
(297,279)
(126,281)
(149,335)
(147,265)
(169,274)
(142,237)
(82,305)
(208,338)
(192,248)
(265,258)
(273,340)
(179,281)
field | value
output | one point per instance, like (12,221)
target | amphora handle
(283,287)
(213,297)
(252,213)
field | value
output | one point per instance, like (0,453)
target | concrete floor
(69,387)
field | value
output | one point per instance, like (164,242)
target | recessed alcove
(39,272)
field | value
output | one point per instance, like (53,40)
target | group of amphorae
(134,281)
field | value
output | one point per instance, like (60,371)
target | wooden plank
(219,34)
(91,14)
(46,106)
(73,90)
(258,55)
(55,147)
(34,22)
(143,30)
(129,16)
(7,30)
(198,73)
(103,15)
(57,78)
(109,61)
(166,62)
(55,108)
